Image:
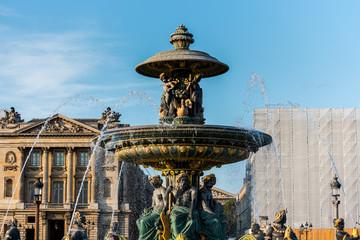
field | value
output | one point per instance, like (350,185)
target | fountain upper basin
(188,146)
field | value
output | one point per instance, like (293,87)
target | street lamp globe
(38,185)
(335,187)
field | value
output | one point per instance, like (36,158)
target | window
(30,219)
(31,197)
(59,158)
(107,188)
(58,192)
(8,188)
(35,159)
(83,198)
(83,158)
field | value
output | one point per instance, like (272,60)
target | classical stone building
(62,157)
(243,212)
(221,196)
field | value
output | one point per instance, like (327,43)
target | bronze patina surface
(195,61)
(183,58)
(187,146)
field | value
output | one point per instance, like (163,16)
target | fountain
(182,146)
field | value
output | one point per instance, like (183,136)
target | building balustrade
(55,205)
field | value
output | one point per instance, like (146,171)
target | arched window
(107,187)
(8,188)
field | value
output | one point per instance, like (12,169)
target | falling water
(143,97)
(97,144)
(253,194)
(56,110)
(117,191)
(257,80)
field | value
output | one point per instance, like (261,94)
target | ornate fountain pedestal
(182,147)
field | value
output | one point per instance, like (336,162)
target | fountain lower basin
(190,146)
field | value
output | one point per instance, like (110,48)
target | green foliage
(230,212)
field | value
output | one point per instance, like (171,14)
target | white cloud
(39,70)
(8,12)
(39,67)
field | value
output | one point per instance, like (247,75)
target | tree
(230,212)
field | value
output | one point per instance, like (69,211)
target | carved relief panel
(10,162)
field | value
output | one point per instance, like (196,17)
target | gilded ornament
(218,150)
(201,149)
(183,149)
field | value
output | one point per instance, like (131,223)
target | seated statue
(11,117)
(280,231)
(256,232)
(213,222)
(13,233)
(77,232)
(114,233)
(148,222)
(340,233)
(183,215)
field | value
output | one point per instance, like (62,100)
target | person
(148,223)
(183,215)
(212,220)
(13,233)
(279,230)
(340,233)
(78,232)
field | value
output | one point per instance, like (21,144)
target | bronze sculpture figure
(13,233)
(183,215)
(279,230)
(78,231)
(114,232)
(214,223)
(148,223)
(340,233)
(256,233)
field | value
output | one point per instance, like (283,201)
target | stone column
(124,176)
(93,177)
(69,189)
(45,159)
(93,203)
(21,187)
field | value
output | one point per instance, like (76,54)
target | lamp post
(37,194)
(335,187)
(306,229)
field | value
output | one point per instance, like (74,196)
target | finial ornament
(181,38)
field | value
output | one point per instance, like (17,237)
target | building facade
(243,212)
(309,147)
(66,158)
(221,196)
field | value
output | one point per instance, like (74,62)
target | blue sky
(306,52)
